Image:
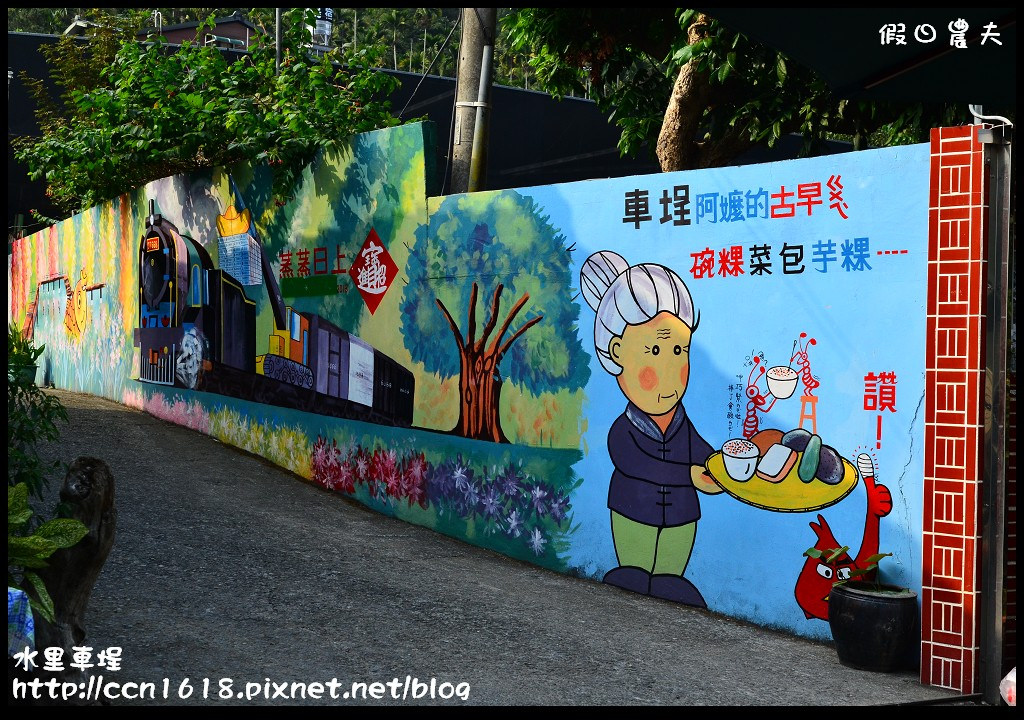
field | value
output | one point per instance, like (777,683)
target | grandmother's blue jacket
(651,483)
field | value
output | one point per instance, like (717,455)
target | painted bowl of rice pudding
(740,457)
(781,381)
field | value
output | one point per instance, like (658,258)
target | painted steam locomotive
(197,330)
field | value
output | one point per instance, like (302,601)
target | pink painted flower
(346,478)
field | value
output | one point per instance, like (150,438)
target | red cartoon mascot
(816,579)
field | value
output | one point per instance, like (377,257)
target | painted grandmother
(642,332)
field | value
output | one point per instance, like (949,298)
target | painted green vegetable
(796,439)
(809,462)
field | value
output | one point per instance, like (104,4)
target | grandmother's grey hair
(623,295)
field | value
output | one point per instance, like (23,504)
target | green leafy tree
(697,93)
(132,112)
(476,249)
(56,20)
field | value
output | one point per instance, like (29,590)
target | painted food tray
(790,494)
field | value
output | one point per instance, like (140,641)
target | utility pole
(277,41)
(472,99)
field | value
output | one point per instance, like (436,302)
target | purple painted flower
(508,481)
(515,524)
(559,504)
(537,495)
(439,484)
(470,498)
(461,478)
(537,541)
(491,502)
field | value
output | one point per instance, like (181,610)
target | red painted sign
(373,271)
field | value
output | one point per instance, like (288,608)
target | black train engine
(191,314)
(197,330)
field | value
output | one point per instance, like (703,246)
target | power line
(430,67)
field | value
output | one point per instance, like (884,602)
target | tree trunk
(479,380)
(677,147)
(72,572)
(480,393)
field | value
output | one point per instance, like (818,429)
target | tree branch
(504,348)
(471,326)
(451,323)
(493,319)
(508,320)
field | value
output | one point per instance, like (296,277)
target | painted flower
(537,495)
(470,498)
(325,467)
(509,482)
(414,490)
(439,484)
(537,541)
(393,482)
(319,452)
(491,502)
(515,524)
(346,478)
(558,507)
(362,465)
(459,475)
(416,468)
(462,476)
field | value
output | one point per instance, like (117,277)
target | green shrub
(32,417)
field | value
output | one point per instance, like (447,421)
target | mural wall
(674,383)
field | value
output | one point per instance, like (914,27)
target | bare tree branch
(508,320)
(471,327)
(451,323)
(526,326)
(493,319)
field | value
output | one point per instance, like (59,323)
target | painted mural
(758,339)
(580,376)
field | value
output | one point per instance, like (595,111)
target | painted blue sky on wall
(832,249)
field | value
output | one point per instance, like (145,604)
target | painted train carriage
(197,330)
(344,374)
(189,311)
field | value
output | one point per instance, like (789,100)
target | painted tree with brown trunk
(492,245)
(479,379)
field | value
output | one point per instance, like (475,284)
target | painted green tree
(358,182)
(477,253)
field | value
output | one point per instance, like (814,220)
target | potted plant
(22,354)
(875,625)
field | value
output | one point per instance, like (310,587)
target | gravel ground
(230,570)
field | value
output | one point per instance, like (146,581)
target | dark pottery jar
(875,627)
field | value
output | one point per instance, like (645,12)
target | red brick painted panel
(952,407)
(958,145)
